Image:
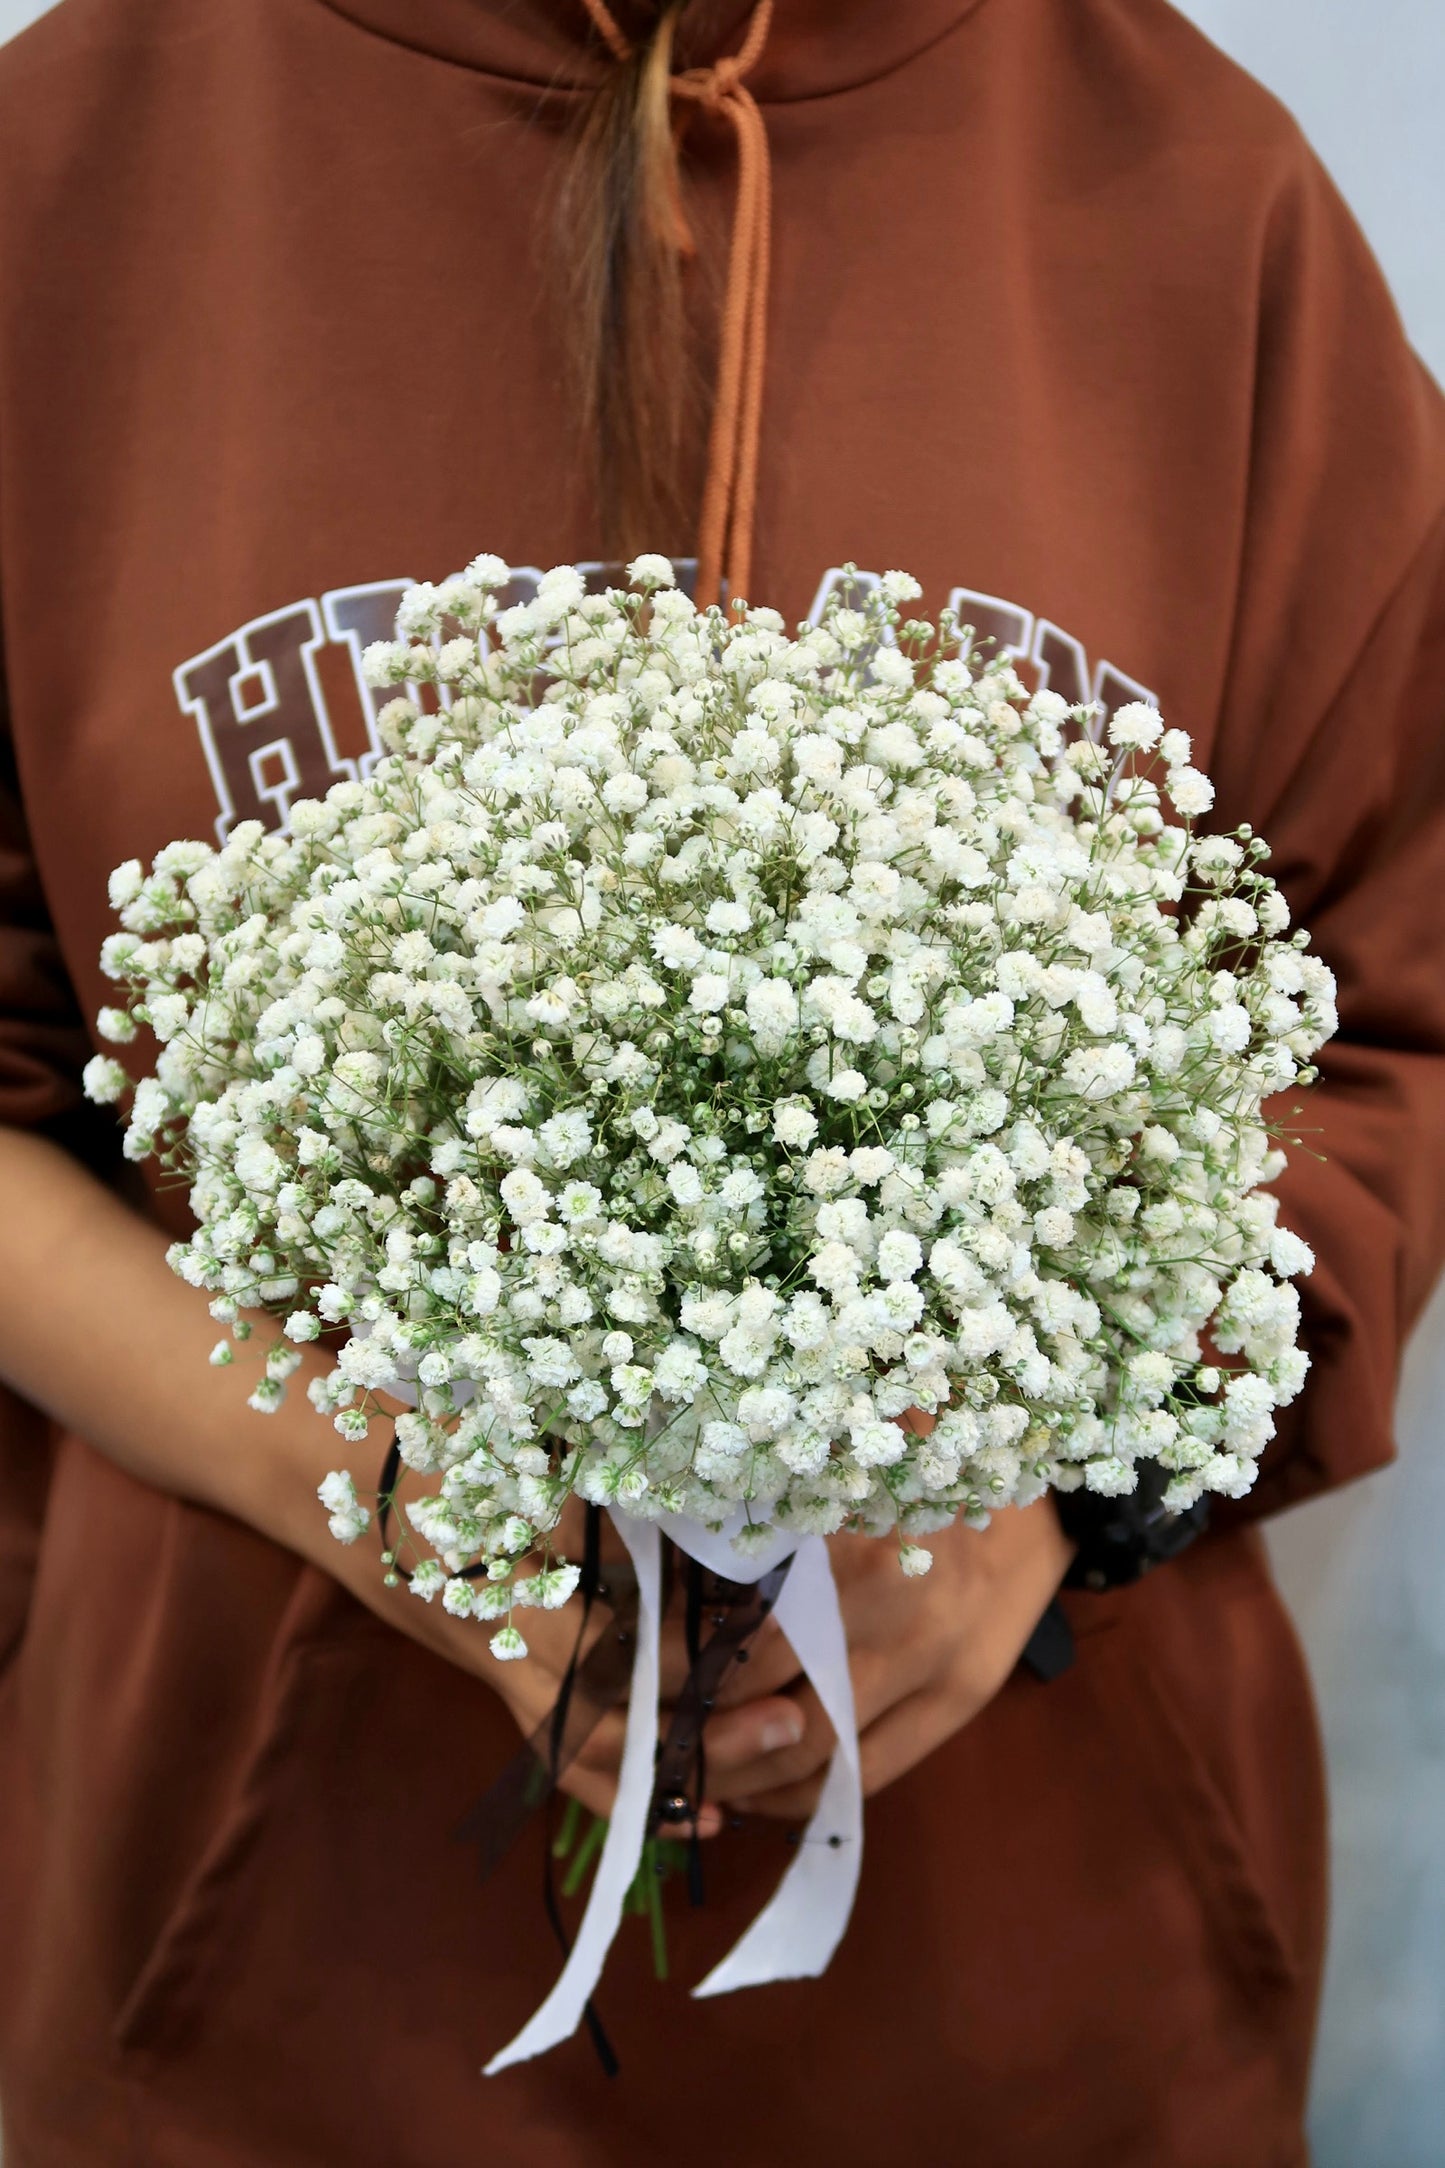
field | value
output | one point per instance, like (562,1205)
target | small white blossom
(794,1124)
(1136,726)
(349,1517)
(103,1079)
(649,570)
(1192,792)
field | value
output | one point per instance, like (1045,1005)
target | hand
(529,1686)
(926,1656)
(97,1330)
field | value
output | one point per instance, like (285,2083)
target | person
(1040,299)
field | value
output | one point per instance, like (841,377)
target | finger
(767,1665)
(601,1751)
(591,1776)
(753,1734)
(786,1803)
(879,1679)
(909,1732)
(763,1666)
(902,1737)
(733,1772)
(598,1793)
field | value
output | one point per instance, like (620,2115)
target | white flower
(898,587)
(1054,1227)
(624,793)
(900,1255)
(117,1025)
(349,1517)
(650,570)
(1289,1254)
(877,1445)
(707,1315)
(849,1085)
(1110,1476)
(103,1079)
(740,1189)
(524,1196)
(826,1171)
(259,1167)
(794,1124)
(772,1010)
(1229,1028)
(679,1372)
(1192,792)
(1096,1072)
(834,1002)
(566,1137)
(676,947)
(685,1184)
(708,993)
(726,916)
(125,884)
(1151,1372)
(1136,726)
(892,669)
(817,760)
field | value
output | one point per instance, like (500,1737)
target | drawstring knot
(725,525)
(710,86)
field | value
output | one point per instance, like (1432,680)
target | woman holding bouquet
(1043,300)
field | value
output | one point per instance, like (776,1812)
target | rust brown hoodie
(1063,316)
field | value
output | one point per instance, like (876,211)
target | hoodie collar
(815,47)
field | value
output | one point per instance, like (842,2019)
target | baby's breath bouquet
(692,1048)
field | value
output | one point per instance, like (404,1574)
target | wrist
(1118,1540)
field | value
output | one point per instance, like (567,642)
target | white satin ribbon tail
(800,1927)
(560,2015)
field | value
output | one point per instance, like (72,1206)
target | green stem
(652,1871)
(583,1857)
(566,1836)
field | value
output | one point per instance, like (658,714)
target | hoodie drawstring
(725,527)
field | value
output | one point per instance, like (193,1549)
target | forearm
(97,1330)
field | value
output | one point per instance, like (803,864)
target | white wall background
(1365,1571)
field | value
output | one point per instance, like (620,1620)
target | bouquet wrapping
(692,1048)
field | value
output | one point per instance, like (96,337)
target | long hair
(618,244)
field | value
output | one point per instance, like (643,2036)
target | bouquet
(692,1048)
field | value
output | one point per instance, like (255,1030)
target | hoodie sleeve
(1332,743)
(43,1042)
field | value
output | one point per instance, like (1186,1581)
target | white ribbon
(800,1927)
